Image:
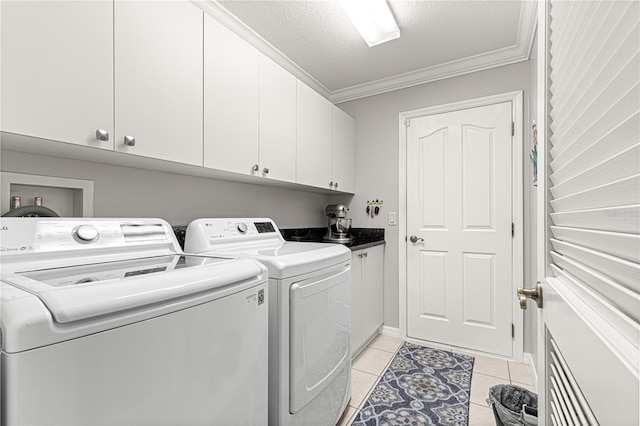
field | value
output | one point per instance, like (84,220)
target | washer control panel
(55,234)
(236,229)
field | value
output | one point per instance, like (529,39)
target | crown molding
(519,52)
(228,19)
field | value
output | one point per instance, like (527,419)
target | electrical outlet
(392,219)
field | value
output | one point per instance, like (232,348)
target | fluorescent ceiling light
(373,19)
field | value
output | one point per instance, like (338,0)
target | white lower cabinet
(367,295)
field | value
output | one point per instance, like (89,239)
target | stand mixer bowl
(343,225)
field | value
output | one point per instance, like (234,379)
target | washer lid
(84,291)
(286,259)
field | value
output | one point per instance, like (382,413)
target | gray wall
(377,150)
(123,191)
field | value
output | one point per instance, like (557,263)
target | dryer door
(319,335)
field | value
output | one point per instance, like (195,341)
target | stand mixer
(338,224)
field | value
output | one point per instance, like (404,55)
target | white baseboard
(528,359)
(389,331)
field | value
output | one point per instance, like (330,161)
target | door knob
(129,141)
(535,294)
(415,239)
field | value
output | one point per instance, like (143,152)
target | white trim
(517,212)
(83,189)
(542,87)
(528,359)
(468,65)
(518,52)
(528,25)
(385,330)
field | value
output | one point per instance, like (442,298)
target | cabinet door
(57,70)
(344,151)
(158,92)
(277,121)
(230,100)
(372,290)
(314,137)
(356,300)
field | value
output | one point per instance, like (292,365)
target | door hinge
(407,122)
(513,128)
(513,331)
(513,229)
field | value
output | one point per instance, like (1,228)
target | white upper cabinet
(158,84)
(57,70)
(314,138)
(277,157)
(344,151)
(231,68)
(161,79)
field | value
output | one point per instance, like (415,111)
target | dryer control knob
(241,227)
(85,234)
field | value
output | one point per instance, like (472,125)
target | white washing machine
(309,317)
(107,322)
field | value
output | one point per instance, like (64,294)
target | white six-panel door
(459,288)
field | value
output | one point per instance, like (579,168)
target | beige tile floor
(373,361)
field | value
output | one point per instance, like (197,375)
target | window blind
(594,156)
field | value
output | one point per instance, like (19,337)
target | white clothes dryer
(108,322)
(309,316)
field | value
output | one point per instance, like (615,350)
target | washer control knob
(242,227)
(85,234)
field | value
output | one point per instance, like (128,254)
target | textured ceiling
(319,38)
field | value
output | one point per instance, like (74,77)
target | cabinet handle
(256,168)
(129,141)
(102,135)
(265,170)
(331,184)
(336,185)
(365,254)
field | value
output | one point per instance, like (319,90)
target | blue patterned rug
(422,386)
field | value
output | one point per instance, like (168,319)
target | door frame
(517,202)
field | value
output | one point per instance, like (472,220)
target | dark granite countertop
(360,237)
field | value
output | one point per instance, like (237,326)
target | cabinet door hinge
(513,229)
(513,331)
(407,122)
(513,128)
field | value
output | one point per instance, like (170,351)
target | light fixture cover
(373,19)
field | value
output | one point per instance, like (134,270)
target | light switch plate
(392,219)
